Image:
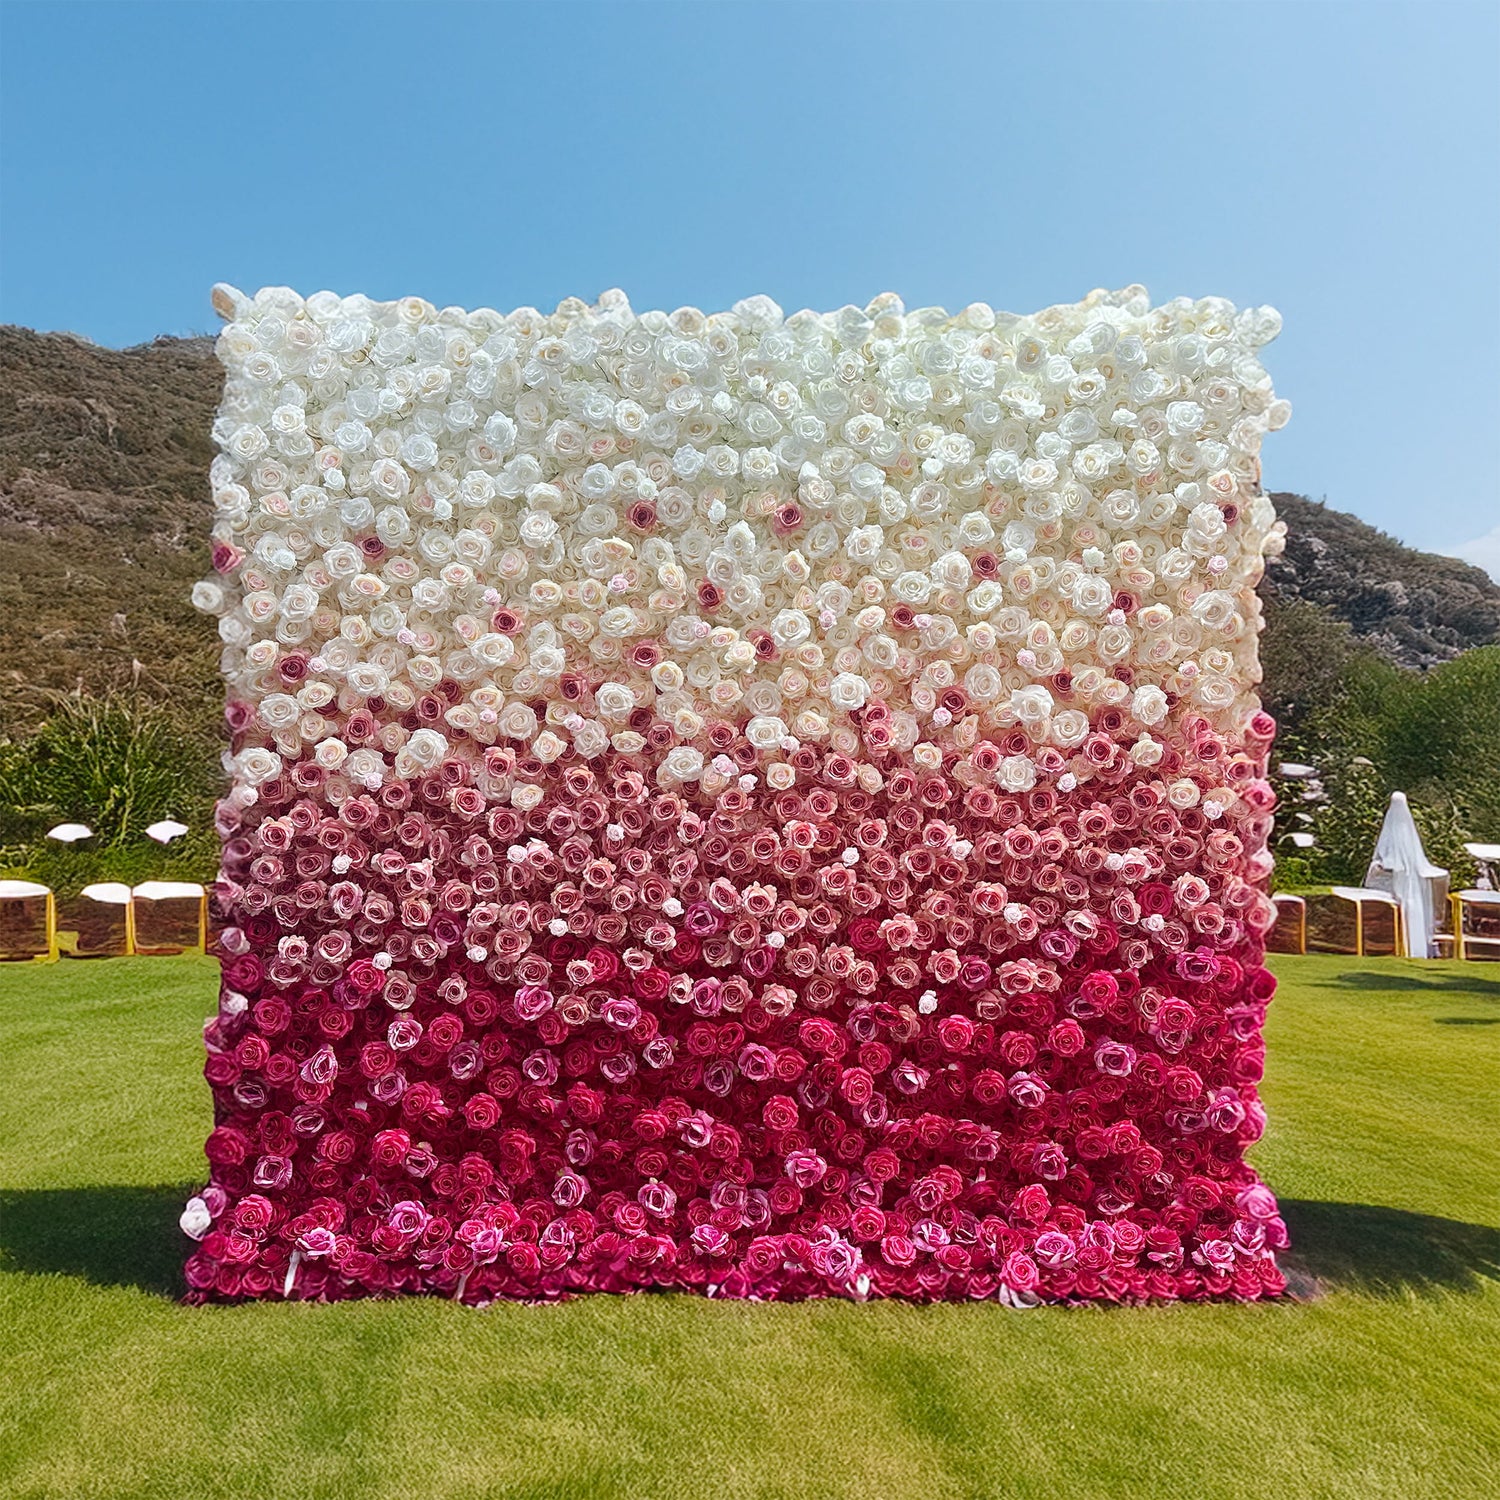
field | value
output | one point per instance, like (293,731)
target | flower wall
(767,805)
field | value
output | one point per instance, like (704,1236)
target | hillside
(1414,608)
(104,519)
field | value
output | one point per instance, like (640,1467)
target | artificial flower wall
(767,805)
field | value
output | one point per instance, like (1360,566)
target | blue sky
(1341,161)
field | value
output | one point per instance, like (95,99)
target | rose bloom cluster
(773,806)
(669,519)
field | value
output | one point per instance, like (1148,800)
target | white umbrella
(1401,866)
(70,833)
(167,830)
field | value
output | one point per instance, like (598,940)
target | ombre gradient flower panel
(767,805)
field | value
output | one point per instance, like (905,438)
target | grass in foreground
(1384,1092)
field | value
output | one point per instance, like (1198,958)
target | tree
(1434,736)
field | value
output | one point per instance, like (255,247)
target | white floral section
(739,516)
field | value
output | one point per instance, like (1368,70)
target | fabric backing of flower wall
(773,806)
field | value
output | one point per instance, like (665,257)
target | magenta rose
(805,1168)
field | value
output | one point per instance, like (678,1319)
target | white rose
(427,748)
(952,571)
(1143,457)
(790,627)
(493,649)
(517,721)
(1038,474)
(256,765)
(547,746)
(1031,705)
(864,543)
(419,451)
(1069,728)
(1214,608)
(473,547)
(196,1220)
(1215,693)
(1183,794)
(1092,595)
(765,732)
(982,683)
(1016,773)
(1148,705)
(1184,418)
(278,710)
(683,763)
(618,622)
(928,756)
(388,479)
(614,700)
(848,691)
(208,596)
(590,738)
(537,528)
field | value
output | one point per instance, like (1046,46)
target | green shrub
(1433,735)
(117,765)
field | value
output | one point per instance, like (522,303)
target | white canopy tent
(1401,867)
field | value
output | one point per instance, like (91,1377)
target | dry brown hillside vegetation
(104,518)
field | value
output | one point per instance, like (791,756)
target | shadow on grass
(1480,989)
(111,1236)
(1387,1251)
(128,1236)
(1466,1020)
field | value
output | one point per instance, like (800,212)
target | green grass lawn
(1384,1092)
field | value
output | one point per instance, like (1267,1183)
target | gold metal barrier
(170,917)
(1355,920)
(99,922)
(1288,933)
(28,922)
(1476,924)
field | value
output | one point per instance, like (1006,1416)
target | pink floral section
(936,1040)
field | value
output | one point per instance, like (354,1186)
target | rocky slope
(1414,608)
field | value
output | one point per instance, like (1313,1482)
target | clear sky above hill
(1341,161)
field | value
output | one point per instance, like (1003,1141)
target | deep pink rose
(898,1250)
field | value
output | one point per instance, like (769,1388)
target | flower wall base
(765,805)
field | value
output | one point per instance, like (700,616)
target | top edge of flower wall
(598,529)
